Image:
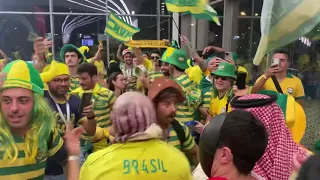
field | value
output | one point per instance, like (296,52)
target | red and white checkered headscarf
(276,163)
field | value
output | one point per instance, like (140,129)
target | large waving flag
(198,8)
(119,29)
(284,21)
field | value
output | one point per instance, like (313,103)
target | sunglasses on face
(154,57)
(222,78)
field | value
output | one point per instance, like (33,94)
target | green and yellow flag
(119,29)
(284,21)
(198,8)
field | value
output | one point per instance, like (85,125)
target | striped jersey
(103,102)
(74,83)
(154,75)
(185,112)
(23,169)
(132,75)
(173,139)
(206,99)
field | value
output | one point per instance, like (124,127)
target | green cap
(175,57)
(226,70)
(20,74)
(70,46)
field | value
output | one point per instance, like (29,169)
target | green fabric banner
(119,29)
(284,21)
(198,8)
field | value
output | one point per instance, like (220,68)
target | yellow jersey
(143,160)
(291,85)
(219,106)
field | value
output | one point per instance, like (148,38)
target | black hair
(282,52)
(89,68)
(179,69)
(113,67)
(155,52)
(165,94)
(111,78)
(146,52)
(310,169)
(68,50)
(246,137)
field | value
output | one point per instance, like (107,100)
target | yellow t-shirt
(218,106)
(290,85)
(194,73)
(143,160)
(100,66)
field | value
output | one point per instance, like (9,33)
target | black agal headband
(210,136)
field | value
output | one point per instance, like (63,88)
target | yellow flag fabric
(198,8)
(192,6)
(148,43)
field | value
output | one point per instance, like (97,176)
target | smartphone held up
(85,101)
(275,62)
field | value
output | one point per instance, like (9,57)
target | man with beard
(156,71)
(177,60)
(165,94)
(71,55)
(164,68)
(129,70)
(103,100)
(65,108)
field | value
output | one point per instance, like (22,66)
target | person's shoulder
(76,91)
(295,78)
(74,98)
(98,155)
(170,151)
(209,92)
(105,92)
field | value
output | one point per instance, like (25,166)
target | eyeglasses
(61,80)
(222,78)
(154,57)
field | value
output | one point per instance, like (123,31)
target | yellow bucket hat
(21,74)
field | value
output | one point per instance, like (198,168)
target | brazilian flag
(198,8)
(284,21)
(119,29)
